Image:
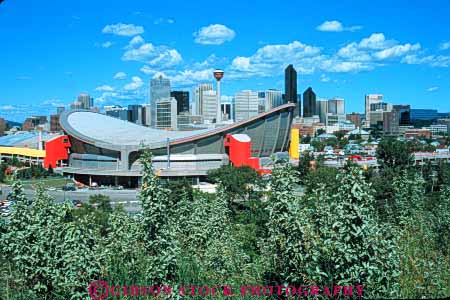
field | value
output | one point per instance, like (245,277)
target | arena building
(106,150)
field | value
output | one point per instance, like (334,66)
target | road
(128,198)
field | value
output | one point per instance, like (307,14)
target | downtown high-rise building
(404,112)
(290,88)
(369,100)
(355,118)
(85,101)
(159,89)
(261,102)
(60,110)
(209,106)
(117,111)
(55,125)
(246,105)
(146,114)
(273,98)
(166,113)
(322,110)
(391,122)
(135,114)
(227,106)
(198,97)
(309,103)
(182,98)
(336,106)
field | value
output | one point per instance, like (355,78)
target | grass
(56,181)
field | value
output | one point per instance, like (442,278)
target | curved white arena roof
(111,130)
(105,131)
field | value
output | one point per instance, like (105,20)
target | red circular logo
(98,289)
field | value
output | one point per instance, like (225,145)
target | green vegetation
(388,231)
(28,172)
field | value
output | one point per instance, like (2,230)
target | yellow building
(294,152)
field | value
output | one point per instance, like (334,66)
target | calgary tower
(218,75)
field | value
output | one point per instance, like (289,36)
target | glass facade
(309,103)
(159,89)
(424,114)
(182,98)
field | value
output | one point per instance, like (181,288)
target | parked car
(69,187)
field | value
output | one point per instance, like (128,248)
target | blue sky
(53,50)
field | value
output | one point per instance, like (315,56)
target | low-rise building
(417,133)
(54,123)
(437,129)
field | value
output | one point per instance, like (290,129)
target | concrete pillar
(124,160)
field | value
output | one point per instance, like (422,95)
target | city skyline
(48,61)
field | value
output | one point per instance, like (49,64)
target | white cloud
(376,41)
(215,34)
(325,78)
(431,60)
(53,102)
(336,26)
(7,107)
(147,70)
(396,51)
(337,66)
(123,29)
(375,48)
(211,61)
(157,56)
(107,44)
(444,46)
(352,51)
(104,88)
(433,89)
(120,76)
(136,82)
(106,96)
(135,41)
(241,63)
(363,55)
(189,77)
(164,21)
(272,59)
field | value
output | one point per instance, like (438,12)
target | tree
(283,225)
(441,222)
(304,165)
(50,170)
(179,188)
(345,239)
(408,197)
(98,209)
(305,139)
(3,168)
(51,254)
(239,183)
(320,131)
(321,176)
(392,153)
(335,241)
(157,231)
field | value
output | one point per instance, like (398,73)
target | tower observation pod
(218,75)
